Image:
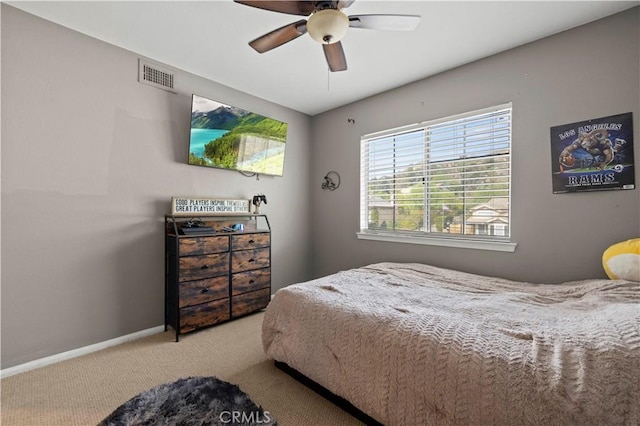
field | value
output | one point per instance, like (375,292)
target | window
(440,181)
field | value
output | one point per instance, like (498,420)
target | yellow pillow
(621,261)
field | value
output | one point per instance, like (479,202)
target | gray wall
(588,72)
(90,160)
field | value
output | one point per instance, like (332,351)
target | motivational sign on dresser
(208,206)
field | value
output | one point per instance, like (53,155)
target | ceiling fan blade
(335,56)
(344,3)
(385,22)
(279,37)
(303,8)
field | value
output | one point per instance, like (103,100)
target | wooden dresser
(214,275)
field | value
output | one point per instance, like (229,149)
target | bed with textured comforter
(412,344)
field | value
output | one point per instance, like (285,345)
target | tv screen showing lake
(201,137)
(228,137)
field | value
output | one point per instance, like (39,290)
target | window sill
(443,242)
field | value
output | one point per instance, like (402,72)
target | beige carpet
(84,390)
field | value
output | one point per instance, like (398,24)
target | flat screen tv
(227,137)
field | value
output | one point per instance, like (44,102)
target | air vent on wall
(154,75)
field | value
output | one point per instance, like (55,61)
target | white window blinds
(449,177)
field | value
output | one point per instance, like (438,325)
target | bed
(411,344)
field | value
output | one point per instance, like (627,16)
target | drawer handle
(252,281)
(205,267)
(251,241)
(251,260)
(205,290)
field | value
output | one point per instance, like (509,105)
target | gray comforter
(411,344)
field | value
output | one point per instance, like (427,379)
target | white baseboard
(42,362)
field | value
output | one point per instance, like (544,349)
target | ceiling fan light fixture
(327,26)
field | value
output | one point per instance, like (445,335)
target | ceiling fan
(326,24)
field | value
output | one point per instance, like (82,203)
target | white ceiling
(209,38)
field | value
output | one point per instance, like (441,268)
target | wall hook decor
(330,181)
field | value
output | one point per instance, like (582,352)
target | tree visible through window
(445,177)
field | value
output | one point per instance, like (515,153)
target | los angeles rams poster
(593,155)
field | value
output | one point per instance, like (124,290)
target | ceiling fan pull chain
(328,80)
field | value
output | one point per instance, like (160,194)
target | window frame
(480,242)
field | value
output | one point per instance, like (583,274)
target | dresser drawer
(250,302)
(245,282)
(203,245)
(206,266)
(246,260)
(201,291)
(203,315)
(250,241)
